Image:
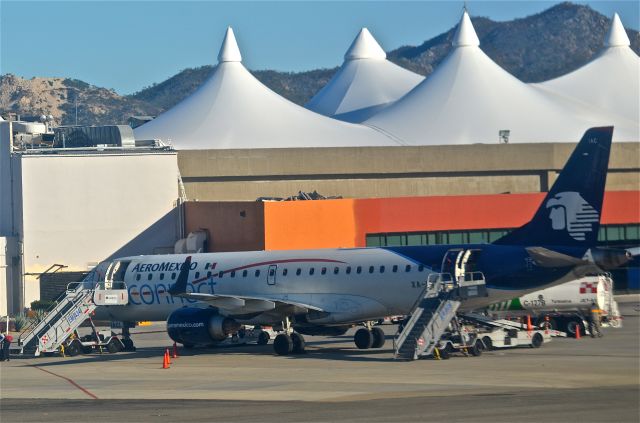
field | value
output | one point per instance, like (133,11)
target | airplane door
(271,274)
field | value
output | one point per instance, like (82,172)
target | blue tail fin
(570,213)
(180,287)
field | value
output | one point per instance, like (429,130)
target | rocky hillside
(535,48)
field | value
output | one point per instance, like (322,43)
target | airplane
(208,296)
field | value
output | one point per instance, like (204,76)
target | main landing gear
(289,342)
(369,337)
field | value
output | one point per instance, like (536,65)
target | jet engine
(199,326)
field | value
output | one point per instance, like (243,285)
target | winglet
(180,287)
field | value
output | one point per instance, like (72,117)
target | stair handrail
(430,284)
(34,325)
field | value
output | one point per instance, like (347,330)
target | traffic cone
(578,332)
(175,351)
(165,361)
(529,325)
(166,353)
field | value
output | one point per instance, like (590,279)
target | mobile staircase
(71,309)
(437,306)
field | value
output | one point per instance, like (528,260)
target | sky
(128,45)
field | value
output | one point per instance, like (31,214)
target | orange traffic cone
(175,351)
(165,361)
(529,325)
(166,352)
(578,332)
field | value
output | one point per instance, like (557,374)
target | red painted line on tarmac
(86,391)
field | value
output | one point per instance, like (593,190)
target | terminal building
(214,173)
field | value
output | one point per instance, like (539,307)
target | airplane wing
(247,304)
(243,304)
(547,258)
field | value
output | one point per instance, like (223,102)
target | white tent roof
(469,99)
(365,83)
(610,81)
(232,109)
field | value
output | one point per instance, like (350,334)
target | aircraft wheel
(128,345)
(112,347)
(263,338)
(298,343)
(536,341)
(378,338)
(283,344)
(363,339)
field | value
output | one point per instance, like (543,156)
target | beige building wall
(79,209)
(366,172)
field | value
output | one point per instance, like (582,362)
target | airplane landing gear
(366,338)
(289,342)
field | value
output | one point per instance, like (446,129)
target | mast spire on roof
(365,47)
(465,34)
(229,51)
(617,36)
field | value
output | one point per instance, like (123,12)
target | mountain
(536,48)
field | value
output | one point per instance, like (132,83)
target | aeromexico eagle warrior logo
(570,212)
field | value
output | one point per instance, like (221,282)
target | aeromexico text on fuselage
(498,263)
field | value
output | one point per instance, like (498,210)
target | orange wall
(344,223)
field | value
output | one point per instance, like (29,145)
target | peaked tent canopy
(365,83)
(232,109)
(470,99)
(610,81)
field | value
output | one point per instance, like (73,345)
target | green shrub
(41,305)
(21,321)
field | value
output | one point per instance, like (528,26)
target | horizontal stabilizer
(547,258)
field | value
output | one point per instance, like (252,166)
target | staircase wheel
(283,344)
(298,343)
(73,348)
(363,339)
(112,347)
(476,348)
(488,343)
(263,338)
(378,338)
(445,352)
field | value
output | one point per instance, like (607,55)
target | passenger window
(421,268)
(408,268)
(197,275)
(348,270)
(161,276)
(359,269)
(220,273)
(298,272)
(336,270)
(311,271)
(138,277)
(324,271)
(233,273)
(206,266)
(370,269)
(394,269)
(381,269)
(149,276)
(173,276)
(208,274)
(244,273)
(284,272)
(257,273)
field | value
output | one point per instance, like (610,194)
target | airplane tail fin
(180,287)
(570,213)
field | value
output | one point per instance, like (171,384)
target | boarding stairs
(437,305)
(71,309)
